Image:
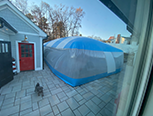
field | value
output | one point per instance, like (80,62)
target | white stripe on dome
(52,42)
(64,42)
(111,67)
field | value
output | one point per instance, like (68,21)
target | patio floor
(95,98)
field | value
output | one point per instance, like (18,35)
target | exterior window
(3,48)
(26,50)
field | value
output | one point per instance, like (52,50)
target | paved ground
(95,98)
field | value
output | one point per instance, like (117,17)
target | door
(26,56)
(6,71)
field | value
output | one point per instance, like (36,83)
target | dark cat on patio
(39,89)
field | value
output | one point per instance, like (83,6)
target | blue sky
(98,19)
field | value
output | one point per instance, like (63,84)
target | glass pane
(30,46)
(26,54)
(22,50)
(22,55)
(30,50)
(22,46)
(6,47)
(26,46)
(30,55)
(3,49)
(26,50)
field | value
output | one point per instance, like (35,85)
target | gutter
(43,49)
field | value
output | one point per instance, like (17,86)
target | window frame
(142,70)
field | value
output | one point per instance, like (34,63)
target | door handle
(20,60)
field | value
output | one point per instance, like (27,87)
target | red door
(26,56)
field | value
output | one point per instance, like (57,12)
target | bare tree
(59,21)
(39,16)
(77,19)
(67,19)
(22,5)
(30,16)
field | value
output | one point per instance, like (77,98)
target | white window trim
(145,77)
(137,101)
(17,56)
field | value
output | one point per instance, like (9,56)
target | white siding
(15,21)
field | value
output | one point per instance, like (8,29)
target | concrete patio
(95,98)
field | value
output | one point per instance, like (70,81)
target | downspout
(43,48)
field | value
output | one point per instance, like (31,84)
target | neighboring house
(119,40)
(123,40)
(126,40)
(111,39)
(14,27)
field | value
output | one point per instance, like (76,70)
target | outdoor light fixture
(1,24)
(25,39)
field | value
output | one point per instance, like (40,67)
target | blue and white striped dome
(79,60)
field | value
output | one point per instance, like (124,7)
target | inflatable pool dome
(79,60)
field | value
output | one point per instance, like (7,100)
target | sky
(98,19)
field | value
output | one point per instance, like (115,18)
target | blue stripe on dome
(76,82)
(85,43)
(90,44)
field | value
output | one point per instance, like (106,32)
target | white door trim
(17,55)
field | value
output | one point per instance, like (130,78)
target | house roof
(111,37)
(26,19)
